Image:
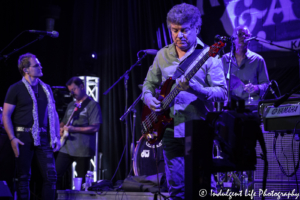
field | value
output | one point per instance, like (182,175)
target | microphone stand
(132,109)
(16,50)
(228,77)
(126,77)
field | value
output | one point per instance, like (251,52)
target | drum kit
(147,159)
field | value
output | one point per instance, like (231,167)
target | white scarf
(52,115)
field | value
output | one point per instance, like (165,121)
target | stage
(105,195)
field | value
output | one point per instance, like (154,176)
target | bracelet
(12,138)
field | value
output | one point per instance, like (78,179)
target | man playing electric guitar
(196,96)
(80,144)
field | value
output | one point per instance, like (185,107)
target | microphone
(150,51)
(53,34)
(249,39)
(224,38)
(285,97)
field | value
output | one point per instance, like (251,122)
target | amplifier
(281,119)
(262,105)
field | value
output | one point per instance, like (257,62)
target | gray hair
(183,13)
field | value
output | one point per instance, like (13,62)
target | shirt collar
(173,51)
(247,54)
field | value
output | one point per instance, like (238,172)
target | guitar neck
(169,98)
(70,118)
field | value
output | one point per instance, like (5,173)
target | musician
(196,96)
(80,145)
(247,66)
(32,125)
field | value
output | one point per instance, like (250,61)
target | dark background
(115,31)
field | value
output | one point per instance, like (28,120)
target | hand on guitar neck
(64,131)
(182,83)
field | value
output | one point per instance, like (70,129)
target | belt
(24,129)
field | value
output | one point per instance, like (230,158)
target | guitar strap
(83,105)
(187,62)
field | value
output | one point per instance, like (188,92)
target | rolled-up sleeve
(263,77)
(153,79)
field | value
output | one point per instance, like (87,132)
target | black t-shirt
(18,95)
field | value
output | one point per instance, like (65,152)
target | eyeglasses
(241,34)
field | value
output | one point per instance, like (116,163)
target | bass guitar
(154,124)
(66,133)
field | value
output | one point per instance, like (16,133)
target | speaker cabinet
(276,180)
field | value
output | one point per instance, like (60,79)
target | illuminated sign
(274,20)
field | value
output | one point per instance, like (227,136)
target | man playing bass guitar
(196,96)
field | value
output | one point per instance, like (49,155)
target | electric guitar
(66,133)
(154,124)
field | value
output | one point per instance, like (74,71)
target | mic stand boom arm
(16,50)
(295,89)
(271,43)
(125,74)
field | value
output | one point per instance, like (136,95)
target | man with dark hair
(249,69)
(80,144)
(31,121)
(196,96)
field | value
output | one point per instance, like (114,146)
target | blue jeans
(173,149)
(45,160)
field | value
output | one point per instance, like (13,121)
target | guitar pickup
(152,135)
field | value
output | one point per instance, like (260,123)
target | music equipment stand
(126,77)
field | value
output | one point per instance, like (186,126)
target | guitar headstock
(215,48)
(78,105)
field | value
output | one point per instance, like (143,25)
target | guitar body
(64,138)
(156,129)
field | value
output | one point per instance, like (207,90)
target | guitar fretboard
(169,98)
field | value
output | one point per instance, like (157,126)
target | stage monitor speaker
(4,190)
(285,156)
